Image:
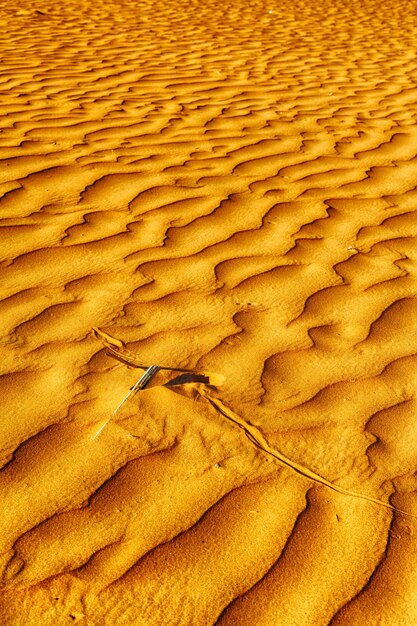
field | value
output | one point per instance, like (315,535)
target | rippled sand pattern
(226,186)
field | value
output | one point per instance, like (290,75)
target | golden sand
(228,188)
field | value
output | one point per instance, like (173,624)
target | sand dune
(227,188)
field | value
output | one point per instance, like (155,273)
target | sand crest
(229,190)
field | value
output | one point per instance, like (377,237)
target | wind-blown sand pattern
(228,188)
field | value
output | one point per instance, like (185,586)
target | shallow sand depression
(227,188)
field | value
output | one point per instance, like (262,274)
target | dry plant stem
(127,360)
(256,437)
(143,381)
(117,349)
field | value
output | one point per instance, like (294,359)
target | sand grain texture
(227,187)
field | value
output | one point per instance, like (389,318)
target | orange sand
(225,186)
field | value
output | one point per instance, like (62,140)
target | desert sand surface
(225,187)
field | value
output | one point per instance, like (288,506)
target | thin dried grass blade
(107,339)
(143,381)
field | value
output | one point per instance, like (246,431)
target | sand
(227,188)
